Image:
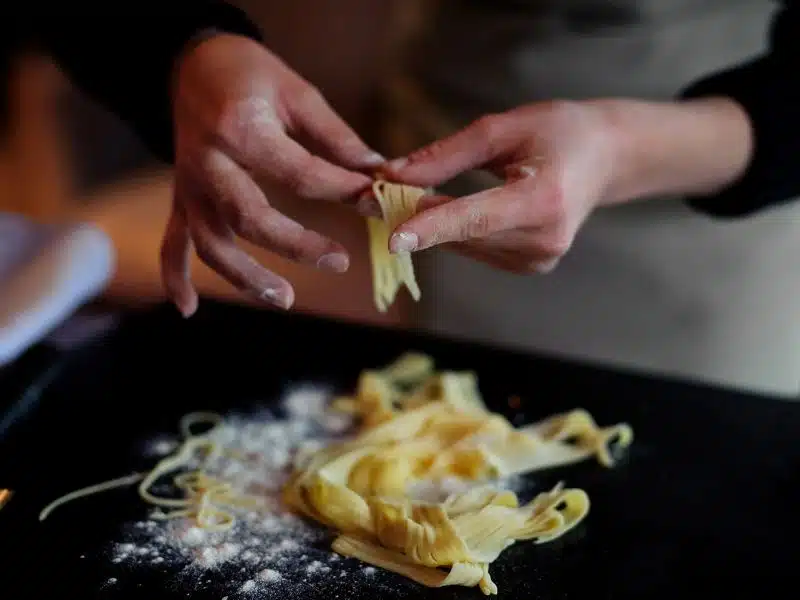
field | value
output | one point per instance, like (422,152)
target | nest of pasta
(417,424)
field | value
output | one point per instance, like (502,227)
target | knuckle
(426,154)
(295,253)
(231,125)
(477,225)
(306,96)
(240,122)
(298,177)
(292,178)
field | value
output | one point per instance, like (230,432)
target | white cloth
(46,274)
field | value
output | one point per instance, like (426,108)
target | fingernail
(397,164)
(374,159)
(546,267)
(335,261)
(269,294)
(187,308)
(403,242)
(275,297)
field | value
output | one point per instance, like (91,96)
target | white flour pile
(268,553)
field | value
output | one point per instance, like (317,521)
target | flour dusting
(269,552)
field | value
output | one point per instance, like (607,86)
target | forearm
(695,147)
(768,90)
(123,56)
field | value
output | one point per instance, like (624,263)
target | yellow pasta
(416,426)
(419,425)
(389,271)
(207,500)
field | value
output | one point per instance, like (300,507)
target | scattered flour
(160,446)
(269,552)
(317,567)
(270,575)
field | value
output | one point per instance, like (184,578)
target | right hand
(242,117)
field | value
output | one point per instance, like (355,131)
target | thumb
(481,142)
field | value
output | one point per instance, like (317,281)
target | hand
(557,161)
(243,119)
(561,160)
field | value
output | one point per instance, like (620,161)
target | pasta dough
(390,271)
(420,425)
(417,426)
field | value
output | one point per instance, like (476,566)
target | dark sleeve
(122,54)
(768,88)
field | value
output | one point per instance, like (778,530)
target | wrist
(695,147)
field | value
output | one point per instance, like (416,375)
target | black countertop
(704,504)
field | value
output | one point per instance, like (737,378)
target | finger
(515,205)
(175,260)
(474,146)
(311,115)
(216,247)
(249,214)
(510,261)
(267,151)
(494,259)
(525,251)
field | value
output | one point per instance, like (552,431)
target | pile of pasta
(417,424)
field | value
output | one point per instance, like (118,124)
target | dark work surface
(704,504)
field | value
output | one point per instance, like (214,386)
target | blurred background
(653,287)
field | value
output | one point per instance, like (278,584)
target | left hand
(557,160)
(243,119)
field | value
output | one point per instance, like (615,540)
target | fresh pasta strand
(206,499)
(90,491)
(417,426)
(389,271)
(420,425)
